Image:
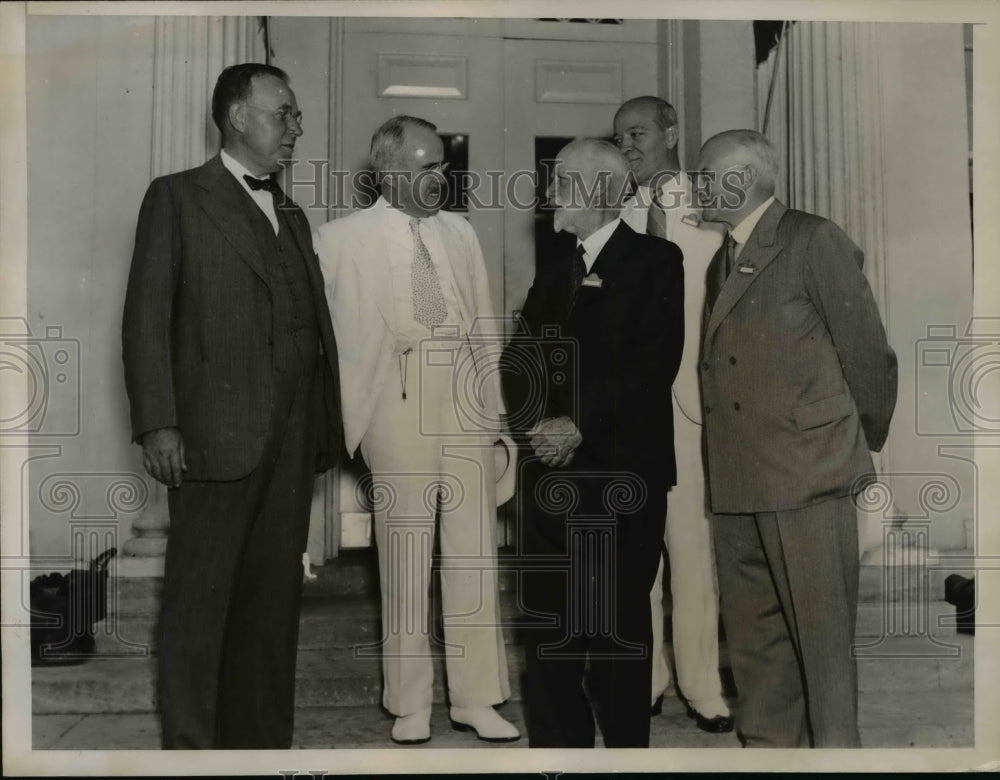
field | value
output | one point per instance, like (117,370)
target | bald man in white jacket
(410,303)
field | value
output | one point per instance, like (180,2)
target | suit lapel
(758,253)
(300,230)
(715,277)
(459,274)
(373,265)
(226,205)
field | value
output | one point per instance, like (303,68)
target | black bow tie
(268,184)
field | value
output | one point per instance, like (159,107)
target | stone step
(894,719)
(325,622)
(876,618)
(323,677)
(135,589)
(904,574)
(355,620)
(346,620)
(915,663)
(917,717)
(355,572)
(352,676)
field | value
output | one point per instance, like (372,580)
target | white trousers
(424,465)
(694,589)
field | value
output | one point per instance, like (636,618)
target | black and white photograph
(383,381)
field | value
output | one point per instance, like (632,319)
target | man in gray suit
(798,384)
(230,368)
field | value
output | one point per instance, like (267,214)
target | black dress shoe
(656,707)
(720,724)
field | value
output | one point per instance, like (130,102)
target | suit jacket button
(708,410)
(732,361)
(704,366)
(736,406)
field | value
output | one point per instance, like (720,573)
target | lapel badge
(592,280)
(746,268)
(691,219)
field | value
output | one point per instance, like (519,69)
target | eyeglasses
(286,114)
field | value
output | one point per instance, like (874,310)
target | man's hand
(163,455)
(555,440)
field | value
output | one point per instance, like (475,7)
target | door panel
(449,80)
(557,90)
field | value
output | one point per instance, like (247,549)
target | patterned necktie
(428,301)
(656,219)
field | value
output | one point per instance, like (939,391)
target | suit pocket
(821,412)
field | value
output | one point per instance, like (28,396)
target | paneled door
(555,91)
(447,72)
(450,80)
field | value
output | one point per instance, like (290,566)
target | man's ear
(673,135)
(388,187)
(237,116)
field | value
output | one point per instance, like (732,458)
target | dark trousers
(232,586)
(590,639)
(788,584)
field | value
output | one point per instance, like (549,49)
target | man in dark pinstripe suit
(230,367)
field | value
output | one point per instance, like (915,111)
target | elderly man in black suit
(798,383)
(587,382)
(230,368)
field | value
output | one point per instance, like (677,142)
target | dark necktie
(578,270)
(730,254)
(268,184)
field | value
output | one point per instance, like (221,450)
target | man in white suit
(410,302)
(646,131)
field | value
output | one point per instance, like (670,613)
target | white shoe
(413,729)
(485,721)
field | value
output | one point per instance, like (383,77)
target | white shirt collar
(742,231)
(262,198)
(595,242)
(399,214)
(238,169)
(679,183)
(383,204)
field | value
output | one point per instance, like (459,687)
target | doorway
(505,94)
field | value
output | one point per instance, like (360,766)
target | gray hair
(749,147)
(664,114)
(387,141)
(603,156)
